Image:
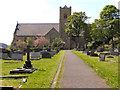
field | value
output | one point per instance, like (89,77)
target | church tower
(65,12)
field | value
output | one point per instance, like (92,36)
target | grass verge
(106,70)
(41,78)
(61,71)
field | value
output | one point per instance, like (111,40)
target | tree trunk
(119,44)
(77,42)
(112,44)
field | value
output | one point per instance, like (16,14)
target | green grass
(105,69)
(41,78)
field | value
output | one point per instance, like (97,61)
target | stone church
(49,30)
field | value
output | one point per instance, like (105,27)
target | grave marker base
(23,70)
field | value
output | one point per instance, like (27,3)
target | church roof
(33,29)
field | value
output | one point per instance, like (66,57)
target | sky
(43,11)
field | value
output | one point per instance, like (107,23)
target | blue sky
(43,11)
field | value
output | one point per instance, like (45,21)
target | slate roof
(33,29)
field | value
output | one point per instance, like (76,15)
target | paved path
(78,75)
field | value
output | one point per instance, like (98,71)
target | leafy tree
(87,31)
(41,41)
(57,42)
(75,25)
(116,28)
(110,14)
(98,31)
(29,41)
(21,44)
(9,47)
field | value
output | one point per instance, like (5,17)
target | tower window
(65,15)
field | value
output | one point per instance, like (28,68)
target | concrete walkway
(78,75)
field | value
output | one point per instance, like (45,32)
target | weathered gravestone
(35,55)
(27,68)
(3,55)
(114,53)
(101,57)
(46,55)
(75,49)
(85,51)
(17,56)
(53,52)
(0,55)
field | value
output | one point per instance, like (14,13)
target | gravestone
(35,55)
(27,68)
(75,49)
(53,52)
(3,55)
(84,51)
(17,56)
(101,57)
(114,53)
(46,55)
(94,54)
(0,55)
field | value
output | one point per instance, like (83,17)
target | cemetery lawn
(41,78)
(107,70)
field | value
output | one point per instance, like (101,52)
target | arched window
(65,15)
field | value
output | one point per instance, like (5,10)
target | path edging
(57,74)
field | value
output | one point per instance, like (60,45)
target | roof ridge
(38,23)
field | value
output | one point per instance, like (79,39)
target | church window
(65,15)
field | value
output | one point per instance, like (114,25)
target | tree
(75,25)
(9,48)
(57,42)
(41,42)
(110,13)
(116,28)
(98,32)
(29,41)
(87,35)
(21,44)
